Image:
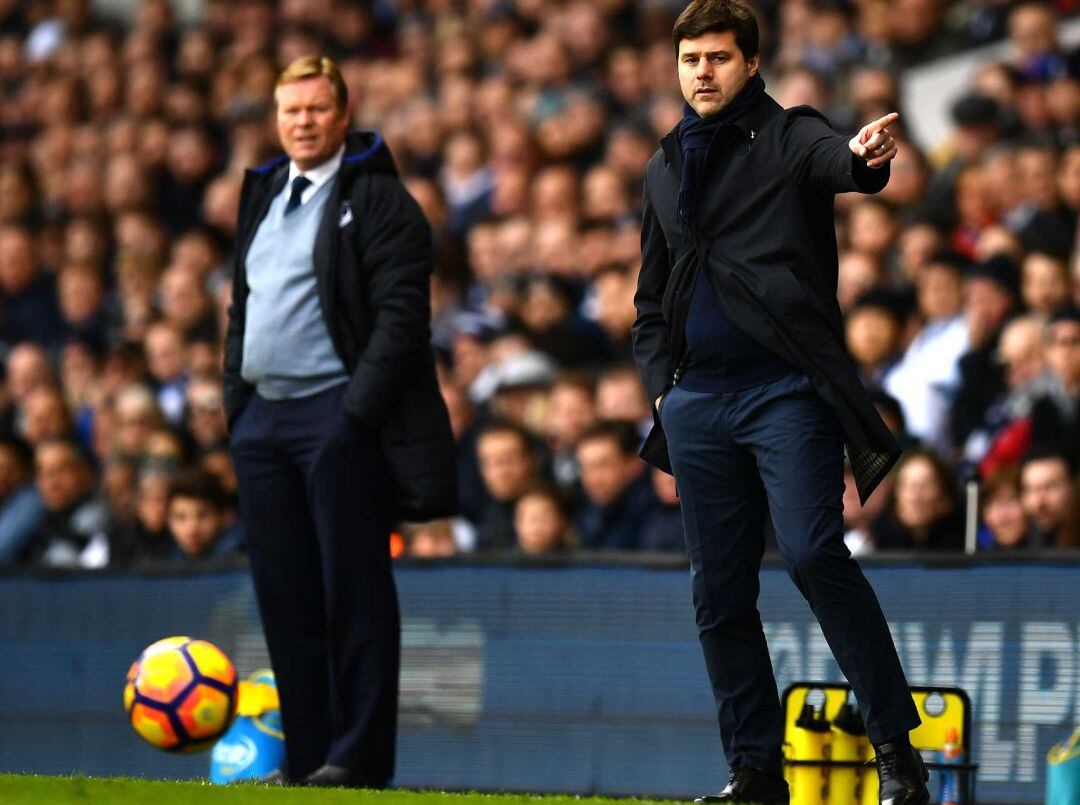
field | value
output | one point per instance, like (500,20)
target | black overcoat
(373,260)
(765,237)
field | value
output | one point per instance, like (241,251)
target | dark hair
(619,370)
(705,16)
(23,453)
(1041,451)
(1005,477)
(577,379)
(1067,534)
(624,435)
(883,299)
(942,473)
(506,426)
(547,491)
(76,449)
(198,485)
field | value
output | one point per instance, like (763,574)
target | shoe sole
(922,800)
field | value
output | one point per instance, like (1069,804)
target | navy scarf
(695,134)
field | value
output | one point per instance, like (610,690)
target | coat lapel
(277,184)
(324,255)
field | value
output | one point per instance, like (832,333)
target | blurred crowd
(522,128)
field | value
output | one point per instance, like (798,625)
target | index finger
(882,122)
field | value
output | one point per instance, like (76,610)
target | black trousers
(775,448)
(312,500)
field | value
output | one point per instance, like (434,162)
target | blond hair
(310,67)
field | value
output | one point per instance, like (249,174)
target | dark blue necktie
(299,185)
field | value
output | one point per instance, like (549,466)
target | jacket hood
(365,150)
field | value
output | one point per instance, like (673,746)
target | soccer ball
(181,694)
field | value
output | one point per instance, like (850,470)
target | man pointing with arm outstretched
(739,341)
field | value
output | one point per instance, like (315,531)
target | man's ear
(754,63)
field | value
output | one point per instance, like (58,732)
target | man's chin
(308,157)
(706,106)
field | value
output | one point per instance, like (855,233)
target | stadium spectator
(31,311)
(21,507)
(431,540)
(620,398)
(872,228)
(571,411)
(990,297)
(118,480)
(1055,412)
(859,519)
(80,290)
(1022,351)
(217,462)
(199,519)
(874,326)
(1041,221)
(1048,496)
(136,417)
(956,192)
(915,247)
(663,529)
(1045,283)
(1005,433)
(205,416)
(928,374)
(75,530)
(859,272)
(1004,524)
(523,133)
(465,424)
(550,324)
(924,514)
(508,465)
(617,489)
(541,522)
(614,295)
(1033,37)
(185,303)
(45,416)
(521,384)
(28,368)
(147,537)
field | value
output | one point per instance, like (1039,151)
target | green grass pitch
(32,790)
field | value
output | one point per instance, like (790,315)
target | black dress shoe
(902,775)
(753,787)
(329,776)
(274,778)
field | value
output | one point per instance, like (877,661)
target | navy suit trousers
(740,455)
(313,499)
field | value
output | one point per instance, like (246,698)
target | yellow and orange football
(180,694)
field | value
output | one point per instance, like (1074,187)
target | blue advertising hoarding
(582,678)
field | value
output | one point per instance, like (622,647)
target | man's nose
(704,69)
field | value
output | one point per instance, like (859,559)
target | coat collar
(321,174)
(749,124)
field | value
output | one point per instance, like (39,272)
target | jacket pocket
(788,304)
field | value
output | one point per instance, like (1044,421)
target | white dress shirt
(319,175)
